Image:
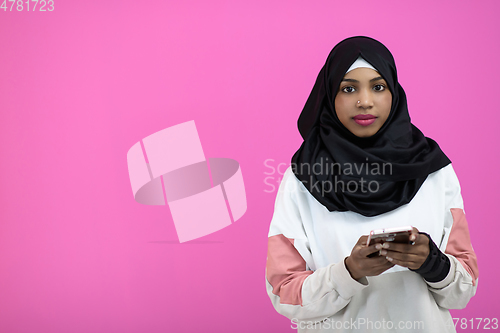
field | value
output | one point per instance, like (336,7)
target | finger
(403,263)
(367,250)
(397,262)
(374,266)
(414,233)
(362,240)
(422,239)
(403,259)
(377,261)
(399,247)
(417,255)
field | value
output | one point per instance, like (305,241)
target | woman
(364,166)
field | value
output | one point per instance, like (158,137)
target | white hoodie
(308,282)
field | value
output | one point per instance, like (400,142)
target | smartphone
(397,235)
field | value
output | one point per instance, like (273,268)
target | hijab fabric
(371,175)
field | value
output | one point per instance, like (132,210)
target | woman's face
(363,102)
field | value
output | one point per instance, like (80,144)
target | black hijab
(387,168)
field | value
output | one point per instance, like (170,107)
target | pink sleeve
(285,270)
(459,244)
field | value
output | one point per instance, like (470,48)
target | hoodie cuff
(437,265)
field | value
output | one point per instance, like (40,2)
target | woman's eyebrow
(374,79)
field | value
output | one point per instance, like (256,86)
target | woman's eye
(348,89)
(379,87)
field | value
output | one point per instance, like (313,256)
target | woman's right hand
(360,265)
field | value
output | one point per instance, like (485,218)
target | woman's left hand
(407,255)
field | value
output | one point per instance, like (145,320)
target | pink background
(80,85)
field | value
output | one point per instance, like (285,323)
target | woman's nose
(365,99)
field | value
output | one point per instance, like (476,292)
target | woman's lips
(364,119)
